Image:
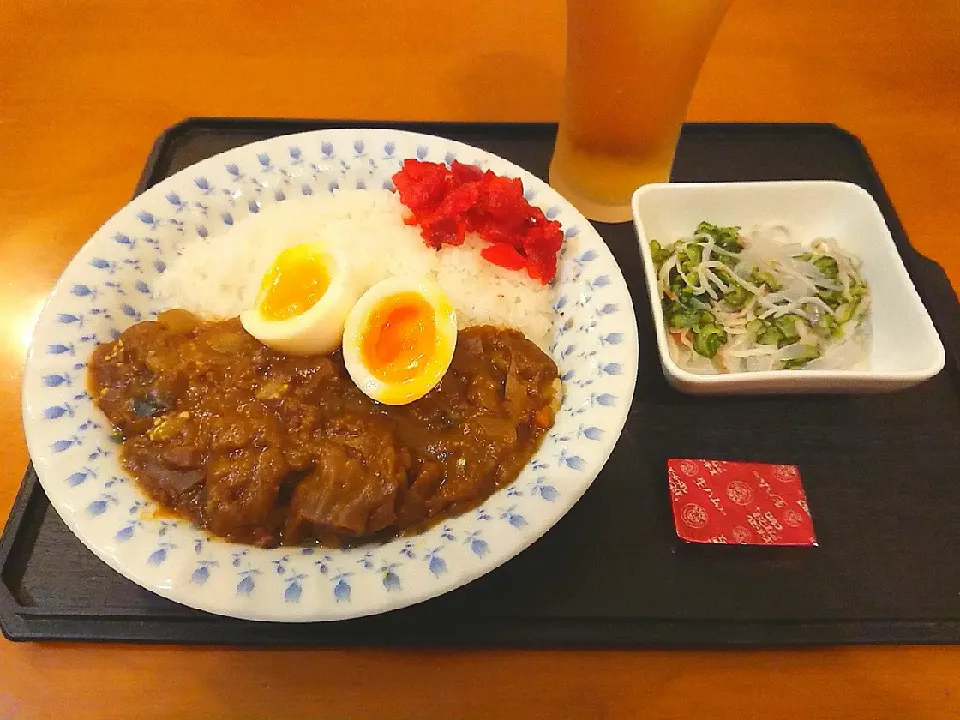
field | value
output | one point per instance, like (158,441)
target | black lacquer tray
(881,474)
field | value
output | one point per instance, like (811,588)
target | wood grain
(85,86)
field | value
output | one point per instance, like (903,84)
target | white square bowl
(906,349)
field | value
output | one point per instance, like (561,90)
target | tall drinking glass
(631,68)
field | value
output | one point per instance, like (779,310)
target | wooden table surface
(86,85)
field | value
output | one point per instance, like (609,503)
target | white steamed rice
(220,277)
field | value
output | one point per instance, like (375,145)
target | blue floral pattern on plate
(107,287)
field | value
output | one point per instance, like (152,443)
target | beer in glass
(631,69)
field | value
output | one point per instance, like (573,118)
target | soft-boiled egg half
(399,338)
(304,299)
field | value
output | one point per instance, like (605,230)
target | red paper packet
(716,501)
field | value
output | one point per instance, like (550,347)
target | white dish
(906,349)
(109,286)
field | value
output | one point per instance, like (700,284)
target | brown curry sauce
(270,449)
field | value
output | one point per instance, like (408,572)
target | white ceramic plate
(905,347)
(108,286)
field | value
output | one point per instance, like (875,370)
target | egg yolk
(297,280)
(399,338)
